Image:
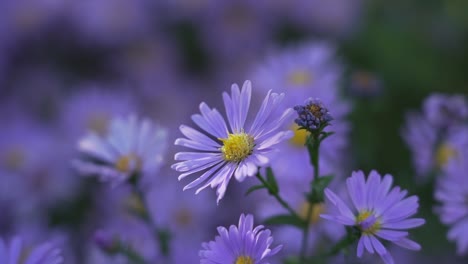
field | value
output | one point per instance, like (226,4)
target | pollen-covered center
(98,123)
(244,260)
(316,110)
(237,147)
(443,154)
(367,222)
(300,77)
(128,163)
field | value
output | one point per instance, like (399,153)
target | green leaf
(164,237)
(254,188)
(325,135)
(318,186)
(285,219)
(270,178)
(321,183)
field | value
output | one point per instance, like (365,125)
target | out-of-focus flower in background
(131,148)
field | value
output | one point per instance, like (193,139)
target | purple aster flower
(443,111)
(452,192)
(16,253)
(130,147)
(379,212)
(312,115)
(241,244)
(235,151)
(430,149)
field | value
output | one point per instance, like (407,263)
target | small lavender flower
(236,152)
(241,244)
(313,115)
(452,192)
(380,211)
(16,253)
(130,147)
(444,111)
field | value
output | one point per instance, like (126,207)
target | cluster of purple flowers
(89,174)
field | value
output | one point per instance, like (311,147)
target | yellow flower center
(127,163)
(244,260)
(315,110)
(443,154)
(300,136)
(300,77)
(368,223)
(183,217)
(98,123)
(317,209)
(237,147)
(14,158)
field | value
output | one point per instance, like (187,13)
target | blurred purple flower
(432,138)
(189,219)
(365,84)
(130,147)
(452,192)
(444,111)
(236,151)
(239,244)
(111,22)
(421,138)
(16,253)
(92,108)
(380,211)
(235,31)
(33,169)
(308,70)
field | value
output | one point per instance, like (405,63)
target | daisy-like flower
(380,212)
(131,147)
(452,192)
(241,244)
(15,253)
(233,151)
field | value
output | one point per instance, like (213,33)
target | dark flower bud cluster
(313,115)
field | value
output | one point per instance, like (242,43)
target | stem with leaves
(313,146)
(273,190)
(162,235)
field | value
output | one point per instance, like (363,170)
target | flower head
(234,151)
(242,244)
(312,115)
(16,253)
(380,211)
(452,193)
(130,147)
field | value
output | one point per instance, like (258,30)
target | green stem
(351,237)
(131,255)
(277,196)
(162,235)
(313,146)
